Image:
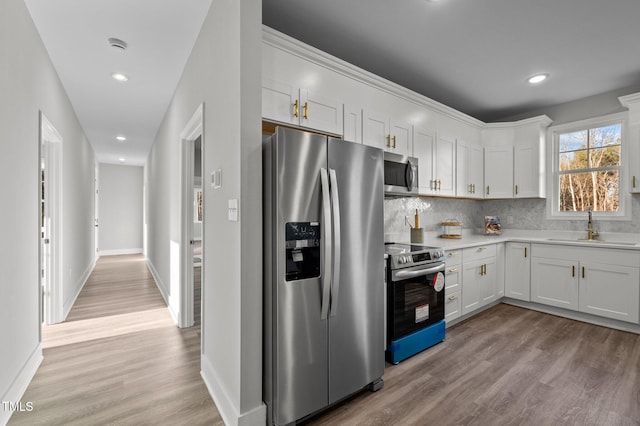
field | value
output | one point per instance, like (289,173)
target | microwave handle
(409,175)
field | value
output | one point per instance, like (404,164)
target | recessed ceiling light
(121,160)
(121,138)
(119,76)
(538,78)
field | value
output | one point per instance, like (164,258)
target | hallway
(119,358)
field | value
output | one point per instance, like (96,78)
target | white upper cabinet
(383,132)
(287,104)
(633,139)
(469,170)
(352,124)
(444,165)
(423,149)
(528,159)
(498,172)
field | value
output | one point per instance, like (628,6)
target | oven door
(415,299)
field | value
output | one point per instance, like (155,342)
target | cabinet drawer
(481,252)
(453,257)
(452,306)
(452,277)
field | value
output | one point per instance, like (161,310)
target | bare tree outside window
(590,169)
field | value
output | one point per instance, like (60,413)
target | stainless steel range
(415,299)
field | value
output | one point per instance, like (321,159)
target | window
(588,168)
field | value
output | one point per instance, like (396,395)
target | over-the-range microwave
(400,174)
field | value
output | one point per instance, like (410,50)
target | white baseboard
(20,383)
(117,252)
(227,409)
(161,288)
(68,304)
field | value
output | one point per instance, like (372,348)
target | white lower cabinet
(554,282)
(453,285)
(517,281)
(478,277)
(603,282)
(610,291)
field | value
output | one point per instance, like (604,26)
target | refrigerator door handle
(326,231)
(335,204)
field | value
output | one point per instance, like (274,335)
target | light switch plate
(216,179)
(232,210)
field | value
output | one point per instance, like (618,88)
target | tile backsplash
(526,214)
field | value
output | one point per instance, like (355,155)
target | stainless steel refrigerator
(323,272)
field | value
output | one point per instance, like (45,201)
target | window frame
(553,170)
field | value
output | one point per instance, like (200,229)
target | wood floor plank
(119,359)
(508,366)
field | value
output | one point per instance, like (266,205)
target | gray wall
(120,209)
(224,73)
(29,84)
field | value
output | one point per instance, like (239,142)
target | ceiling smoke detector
(117,43)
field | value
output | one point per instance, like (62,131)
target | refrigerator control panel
(302,246)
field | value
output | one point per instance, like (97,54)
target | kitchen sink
(584,240)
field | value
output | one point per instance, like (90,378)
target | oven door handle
(412,273)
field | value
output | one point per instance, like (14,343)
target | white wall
(120,209)
(28,84)
(223,72)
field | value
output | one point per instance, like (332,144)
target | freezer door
(300,356)
(356,321)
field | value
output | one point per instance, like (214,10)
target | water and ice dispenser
(302,245)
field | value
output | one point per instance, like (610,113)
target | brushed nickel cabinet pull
(452,298)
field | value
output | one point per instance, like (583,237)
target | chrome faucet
(591,234)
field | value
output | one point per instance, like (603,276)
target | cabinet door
(320,112)
(634,155)
(554,282)
(423,149)
(487,281)
(469,170)
(528,172)
(444,165)
(375,129)
(352,124)
(610,291)
(278,100)
(402,137)
(471,273)
(498,172)
(518,271)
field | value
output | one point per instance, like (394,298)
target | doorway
(192,221)
(50,223)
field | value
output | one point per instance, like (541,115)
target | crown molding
(295,47)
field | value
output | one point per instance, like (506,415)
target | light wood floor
(508,366)
(127,364)
(119,359)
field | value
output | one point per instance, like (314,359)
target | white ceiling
(473,55)
(160,35)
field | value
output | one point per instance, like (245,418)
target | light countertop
(471,238)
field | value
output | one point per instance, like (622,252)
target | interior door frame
(50,158)
(191,132)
